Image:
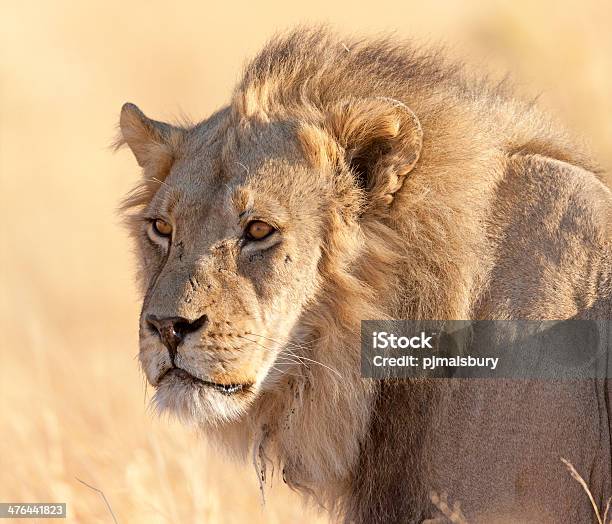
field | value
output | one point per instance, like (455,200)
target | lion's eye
(162,228)
(258,230)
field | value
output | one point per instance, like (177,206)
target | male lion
(367,179)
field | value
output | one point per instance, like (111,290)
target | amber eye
(258,230)
(162,228)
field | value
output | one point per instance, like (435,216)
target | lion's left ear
(153,143)
(382,140)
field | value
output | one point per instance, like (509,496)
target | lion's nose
(173,330)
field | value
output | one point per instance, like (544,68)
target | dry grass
(71,396)
(451,513)
(578,478)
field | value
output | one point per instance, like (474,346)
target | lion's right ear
(153,143)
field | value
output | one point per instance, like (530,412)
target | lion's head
(343,181)
(243,223)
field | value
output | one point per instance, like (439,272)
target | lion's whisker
(289,342)
(285,372)
(301,357)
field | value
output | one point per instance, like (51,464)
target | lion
(352,179)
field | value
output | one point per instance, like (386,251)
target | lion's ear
(381,139)
(153,143)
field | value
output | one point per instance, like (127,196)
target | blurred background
(72,400)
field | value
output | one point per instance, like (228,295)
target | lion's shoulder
(550,224)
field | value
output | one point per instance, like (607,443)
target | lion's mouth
(181,374)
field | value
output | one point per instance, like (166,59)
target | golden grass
(71,396)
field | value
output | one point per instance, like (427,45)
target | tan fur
(386,171)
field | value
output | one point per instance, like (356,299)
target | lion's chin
(195,401)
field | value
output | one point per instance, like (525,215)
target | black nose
(173,330)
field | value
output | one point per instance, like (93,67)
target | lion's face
(241,227)
(229,261)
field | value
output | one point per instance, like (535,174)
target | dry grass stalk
(576,476)
(103,496)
